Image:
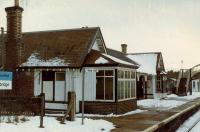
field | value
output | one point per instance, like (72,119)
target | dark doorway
(140,87)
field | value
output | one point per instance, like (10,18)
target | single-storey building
(151,75)
(55,62)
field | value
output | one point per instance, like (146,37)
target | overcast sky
(169,26)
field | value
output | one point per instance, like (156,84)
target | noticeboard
(6,80)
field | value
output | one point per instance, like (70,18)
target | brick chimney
(2,48)
(124,48)
(14,35)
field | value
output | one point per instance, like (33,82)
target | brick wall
(96,107)
(23,82)
(23,85)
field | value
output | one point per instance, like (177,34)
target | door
(60,88)
(48,85)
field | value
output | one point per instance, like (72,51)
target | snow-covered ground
(190,122)
(52,125)
(113,115)
(171,101)
(159,104)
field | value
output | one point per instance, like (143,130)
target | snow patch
(118,60)
(187,98)
(160,104)
(172,96)
(189,123)
(113,115)
(147,62)
(34,60)
(52,125)
(101,60)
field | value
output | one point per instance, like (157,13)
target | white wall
(195,88)
(73,83)
(95,46)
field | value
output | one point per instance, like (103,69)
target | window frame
(104,78)
(124,81)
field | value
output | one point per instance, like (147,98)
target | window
(194,84)
(104,84)
(60,76)
(126,85)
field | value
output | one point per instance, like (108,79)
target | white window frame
(102,69)
(124,80)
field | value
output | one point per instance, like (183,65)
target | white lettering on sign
(6,85)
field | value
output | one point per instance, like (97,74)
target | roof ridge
(144,53)
(70,29)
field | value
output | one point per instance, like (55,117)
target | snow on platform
(190,123)
(186,98)
(52,125)
(113,115)
(171,101)
(159,104)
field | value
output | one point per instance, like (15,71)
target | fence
(28,106)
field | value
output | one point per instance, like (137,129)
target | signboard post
(6,80)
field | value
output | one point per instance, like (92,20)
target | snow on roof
(147,62)
(34,60)
(118,60)
(101,60)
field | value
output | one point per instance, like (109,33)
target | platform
(150,121)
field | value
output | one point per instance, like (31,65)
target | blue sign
(6,76)
(6,80)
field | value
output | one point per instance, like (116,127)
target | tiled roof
(120,55)
(95,58)
(70,45)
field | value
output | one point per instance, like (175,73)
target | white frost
(101,60)
(34,60)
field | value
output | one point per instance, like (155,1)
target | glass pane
(122,90)
(60,76)
(118,89)
(122,74)
(126,89)
(129,88)
(126,74)
(48,76)
(109,72)
(129,76)
(100,88)
(109,88)
(100,73)
(119,74)
(132,74)
(132,89)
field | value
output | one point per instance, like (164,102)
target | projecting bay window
(126,85)
(105,85)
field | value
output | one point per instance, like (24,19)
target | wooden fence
(33,106)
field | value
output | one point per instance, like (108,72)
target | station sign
(6,80)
